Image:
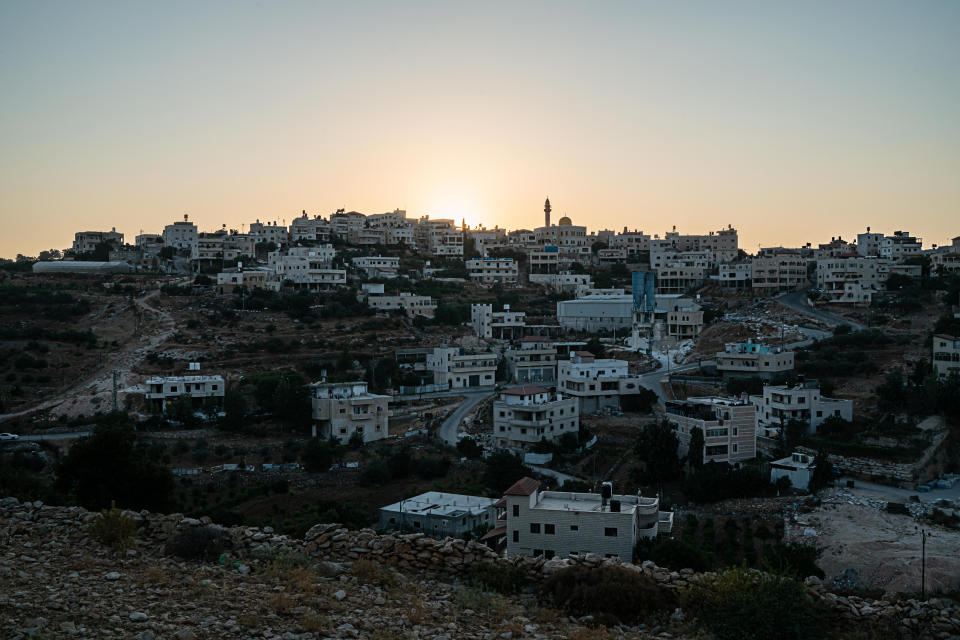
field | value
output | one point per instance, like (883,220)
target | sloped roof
(522,487)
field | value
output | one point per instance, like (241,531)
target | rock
(340,594)
(146,634)
(138,616)
(113,575)
(184,634)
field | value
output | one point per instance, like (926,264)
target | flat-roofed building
(202,388)
(527,414)
(596,313)
(490,271)
(868,244)
(343,222)
(411,304)
(439,237)
(900,245)
(308,268)
(500,325)
(778,404)
(454,368)
(564,282)
(597,384)
(315,229)
(776,270)
(230,281)
(342,409)
(737,275)
(182,236)
(631,241)
(378,266)
(728,425)
(749,359)
(87,241)
(946,355)
(438,515)
(563,523)
(532,359)
(797,467)
(270,232)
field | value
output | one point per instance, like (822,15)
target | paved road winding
(451,426)
(797,300)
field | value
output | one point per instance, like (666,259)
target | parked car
(8,436)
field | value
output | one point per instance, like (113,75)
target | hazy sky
(793,121)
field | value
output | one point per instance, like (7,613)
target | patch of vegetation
(114,528)
(626,596)
(205,544)
(498,576)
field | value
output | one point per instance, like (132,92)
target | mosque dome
(564,222)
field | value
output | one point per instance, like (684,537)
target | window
(537,553)
(534,527)
(516,511)
(416,524)
(549,529)
(516,536)
(548,554)
(574,527)
(610,532)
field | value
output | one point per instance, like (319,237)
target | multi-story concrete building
(684,318)
(308,268)
(200,388)
(237,246)
(270,232)
(737,275)
(563,523)
(723,245)
(527,414)
(209,251)
(413,305)
(776,270)
(679,277)
(394,227)
(596,313)
(631,241)
(797,467)
(855,280)
(485,240)
(87,241)
(532,359)
(182,236)
(945,260)
(501,325)
(608,256)
(565,282)
(868,244)
(900,245)
(343,222)
(230,281)
(836,248)
(342,409)
(378,266)
(781,403)
(728,425)
(750,359)
(946,355)
(570,240)
(315,229)
(489,271)
(439,515)
(543,260)
(455,369)
(439,237)
(597,384)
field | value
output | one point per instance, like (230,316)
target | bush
(625,595)
(740,604)
(199,543)
(499,577)
(114,529)
(674,554)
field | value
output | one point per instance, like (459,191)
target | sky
(792,121)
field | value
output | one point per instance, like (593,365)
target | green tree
(695,456)
(318,455)
(470,448)
(657,447)
(234,409)
(794,431)
(181,409)
(595,347)
(291,400)
(822,473)
(110,465)
(355,441)
(503,469)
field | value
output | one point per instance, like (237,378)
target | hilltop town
(667,401)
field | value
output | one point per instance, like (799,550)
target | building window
(574,527)
(534,527)
(537,553)
(548,554)
(516,511)
(516,536)
(549,529)
(610,532)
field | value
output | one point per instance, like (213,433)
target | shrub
(740,604)
(675,554)
(199,543)
(500,577)
(611,591)
(367,570)
(114,529)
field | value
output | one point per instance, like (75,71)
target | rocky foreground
(57,581)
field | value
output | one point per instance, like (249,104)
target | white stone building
(270,232)
(342,409)
(230,281)
(438,515)
(776,270)
(315,229)
(490,271)
(308,267)
(728,425)
(527,414)
(596,313)
(202,388)
(798,467)
(87,241)
(737,275)
(946,356)
(562,523)
(781,403)
(900,245)
(456,369)
(501,325)
(748,359)
(439,237)
(596,384)
(378,266)
(532,359)
(411,304)
(182,236)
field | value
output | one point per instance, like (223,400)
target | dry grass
(248,621)
(367,570)
(280,603)
(157,575)
(417,610)
(302,579)
(86,562)
(586,633)
(314,622)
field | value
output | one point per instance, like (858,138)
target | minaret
(546,213)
